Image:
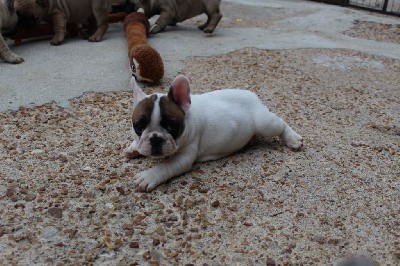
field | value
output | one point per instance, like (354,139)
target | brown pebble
(270,262)
(203,190)
(30,197)
(156,242)
(247,223)
(215,204)
(121,190)
(55,212)
(134,244)
(10,192)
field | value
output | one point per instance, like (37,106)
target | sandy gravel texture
(66,200)
(382,32)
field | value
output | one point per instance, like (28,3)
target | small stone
(121,190)
(115,199)
(203,190)
(10,192)
(247,223)
(134,244)
(30,197)
(215,204)
(156,242)
(108,242)
(55,212)
(37,151)
(270,262)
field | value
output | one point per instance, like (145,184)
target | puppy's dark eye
(140,126)
(173,127)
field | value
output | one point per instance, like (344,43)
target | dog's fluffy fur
(8,21)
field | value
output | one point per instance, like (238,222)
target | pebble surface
(66,200)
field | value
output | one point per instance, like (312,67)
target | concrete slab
(60,73)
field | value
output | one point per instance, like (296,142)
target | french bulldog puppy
(59,12)
(173,11)
(8,21)
(185,128)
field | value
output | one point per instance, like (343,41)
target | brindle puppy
(173,11)
(59,12)
(8,21)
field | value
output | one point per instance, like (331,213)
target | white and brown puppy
(61,12)
(8,21)
(173,11)
(197,128)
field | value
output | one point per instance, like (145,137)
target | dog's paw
(155,29)
(208,30)
(94,38)
(14,59)
(294,140)
(145,182)
(56,41)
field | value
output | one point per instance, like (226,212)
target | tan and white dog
(8,21)
(59,12)
(173,11)
(197,128)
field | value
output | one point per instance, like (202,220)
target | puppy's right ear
(137,93)
(10,5)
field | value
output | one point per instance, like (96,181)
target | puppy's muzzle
(156,145)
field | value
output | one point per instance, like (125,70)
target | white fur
(217,124)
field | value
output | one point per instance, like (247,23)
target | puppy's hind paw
(293,140)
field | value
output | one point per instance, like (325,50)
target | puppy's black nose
(156,145)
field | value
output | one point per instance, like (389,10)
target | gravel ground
(375,31)
(65,198)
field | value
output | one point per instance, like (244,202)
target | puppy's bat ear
(137,93)
(179,92)
(10,5)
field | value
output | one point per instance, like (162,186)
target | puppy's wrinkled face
(30,11)
(157,124)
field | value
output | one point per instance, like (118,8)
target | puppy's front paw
(145,182)
(95,38)
(56,41)
(155,29)
(14,59)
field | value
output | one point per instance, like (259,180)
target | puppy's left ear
(179,92)
(137,93)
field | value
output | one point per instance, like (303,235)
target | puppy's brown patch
(172,116)
(169,108)
(142,114)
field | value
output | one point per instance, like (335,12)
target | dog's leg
(7,54)
(270,125)
(59,27)
(100,12)
(160,173)
(205,25)
(214,14)
(163,20)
